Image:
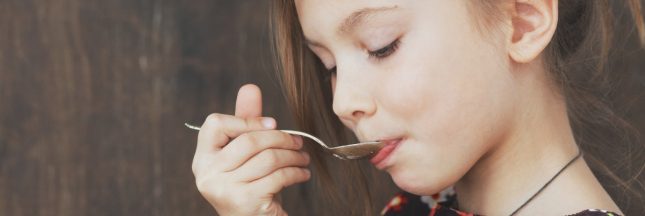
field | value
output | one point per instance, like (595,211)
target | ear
(533,25)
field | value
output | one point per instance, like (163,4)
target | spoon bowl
(344,152)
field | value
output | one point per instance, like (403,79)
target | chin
(418,183)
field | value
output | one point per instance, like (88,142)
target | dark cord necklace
(547,183)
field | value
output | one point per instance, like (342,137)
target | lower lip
(380,158)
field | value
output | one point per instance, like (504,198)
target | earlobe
(533,26)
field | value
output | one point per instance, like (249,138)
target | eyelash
(378,54)
(385,51)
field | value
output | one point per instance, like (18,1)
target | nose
(352,99)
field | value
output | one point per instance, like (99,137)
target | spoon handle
(286,131)
(292,132)
(192,126)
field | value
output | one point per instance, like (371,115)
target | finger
(268,161)
(249,101)
(279,179)
(244,147)
(219,129)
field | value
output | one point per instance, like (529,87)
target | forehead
(320,18)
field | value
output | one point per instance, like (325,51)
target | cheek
(456,97)
(406,94)
(453,118)
(448,82)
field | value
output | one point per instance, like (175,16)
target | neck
(538,145)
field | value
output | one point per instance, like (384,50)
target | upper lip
(367,137)
(392,141)
(384,139)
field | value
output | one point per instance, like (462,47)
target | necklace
(547,183)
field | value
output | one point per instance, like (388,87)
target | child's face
(419,70)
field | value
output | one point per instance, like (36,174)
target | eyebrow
(356,18)
(359,16)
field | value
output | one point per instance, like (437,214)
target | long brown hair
(576,59)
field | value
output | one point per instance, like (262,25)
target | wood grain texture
(94,94)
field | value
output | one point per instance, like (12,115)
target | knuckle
(285,137)
(277,138)
(282,174)
(293,141)
(268,159)
(282,135)
(271,158)
(196,165)
(249,141)
(214,119)
(194,168)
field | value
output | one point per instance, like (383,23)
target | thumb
(249,102)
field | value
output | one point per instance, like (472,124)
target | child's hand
(241,163)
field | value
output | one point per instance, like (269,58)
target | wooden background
(94,94)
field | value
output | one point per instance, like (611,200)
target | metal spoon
(345,152)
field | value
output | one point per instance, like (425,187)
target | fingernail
(268,122)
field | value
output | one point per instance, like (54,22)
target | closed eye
(385,51)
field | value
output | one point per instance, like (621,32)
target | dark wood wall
(94,94)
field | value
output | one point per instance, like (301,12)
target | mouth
(379,159)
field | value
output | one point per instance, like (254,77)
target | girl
(479,97)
